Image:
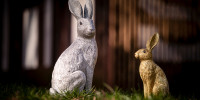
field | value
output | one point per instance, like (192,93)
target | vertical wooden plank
(129,41)
(120,42)
(112,43)
(133,42)
(165,31)
(102,38)
(130,77)
(132,73)
(48,33)
(161,49)
(1,35)
(117,42)
(5,36)
(124,29)
(122,67)
(138,36)
(128,13)
(126,7)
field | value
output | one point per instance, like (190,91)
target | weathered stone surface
(75,66)
(153,77)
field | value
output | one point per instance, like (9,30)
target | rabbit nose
(136,55)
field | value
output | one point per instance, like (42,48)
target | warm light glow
(30,38)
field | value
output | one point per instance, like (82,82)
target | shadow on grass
(25,92)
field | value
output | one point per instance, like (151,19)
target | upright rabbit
(153,77)
(75,66)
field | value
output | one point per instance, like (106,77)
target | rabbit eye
(81,23)
(144,51)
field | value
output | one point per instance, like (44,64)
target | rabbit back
(161,84)
(152,73)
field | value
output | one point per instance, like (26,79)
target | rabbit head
(146,54)
(85,25)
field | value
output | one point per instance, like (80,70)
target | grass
(23,92)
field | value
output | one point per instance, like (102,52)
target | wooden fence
(132,22)
(123,27)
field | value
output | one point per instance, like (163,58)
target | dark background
(122,27)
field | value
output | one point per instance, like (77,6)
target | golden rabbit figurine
(153,77)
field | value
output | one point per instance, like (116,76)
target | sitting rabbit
(153,77)
(75,66)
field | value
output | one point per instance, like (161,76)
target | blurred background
(33,34)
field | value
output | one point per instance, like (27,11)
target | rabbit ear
(151,43)
(75,8)
(88,9)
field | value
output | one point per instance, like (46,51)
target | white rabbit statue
(153,77)
(75,66)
